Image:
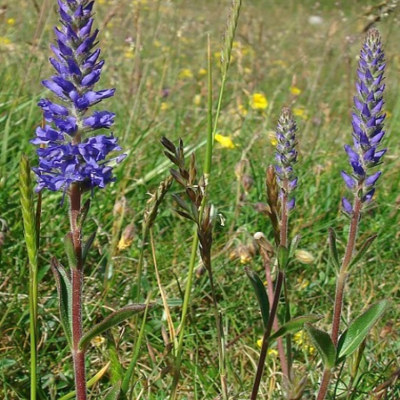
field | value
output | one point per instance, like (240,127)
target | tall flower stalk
(364,156)
(71,158)
(286,182)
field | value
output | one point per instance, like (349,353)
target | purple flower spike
(70,153)
(286,156)
(367,121)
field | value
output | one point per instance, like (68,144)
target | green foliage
(357,331)
(261,294)
(324,345)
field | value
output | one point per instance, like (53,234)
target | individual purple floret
(367,123)
(286,156)
(68,153)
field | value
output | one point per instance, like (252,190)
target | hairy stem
(267,333)
(77,283)
(340,288)
(270,290)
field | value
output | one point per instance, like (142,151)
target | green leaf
(87,246)
(70,251)
(84,213)
(363,250)
(333,249)
(355,334)
(323,342)
(261,294)
(283,257)
(113,319)
(64,289)
(114,393)
(294,325)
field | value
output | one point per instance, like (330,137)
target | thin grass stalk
(32,244)
(185,308)
(131,368)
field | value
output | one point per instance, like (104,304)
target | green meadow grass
(155,54)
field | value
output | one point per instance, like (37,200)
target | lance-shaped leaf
(89,384)
(283,257)
(363,250)
(334,256)
(87,246)
(114,393)
(261,294)
(64,290)
(70,251)
(323,342)
(294,244)
(113,319)
(294,325)
(354,335)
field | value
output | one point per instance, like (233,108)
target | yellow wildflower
(389,114)
(272,138)
(247,70)
(197,99)
(164,106)
(186,73)
(157,43)
(302,341)
(202,71)
(300,112)
(126,237)
(304,283)
(224,141)
(242,110)
(11,21)
(97,341)
(295,90)
(4,41)
(258,102)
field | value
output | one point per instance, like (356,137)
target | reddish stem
(77,283)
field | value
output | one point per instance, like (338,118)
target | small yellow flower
(126,237)
(157,43)
(197,99)
(11,21)
(102,1)
(304,283)
(242,110)
(129,53)
(389,114)
(224,141)
(295,90)
(247,70)
(300,112)
(302,341)
(258,102)
(280,63)
(272,138)
(98,341)
(4,41)
(202,71)
(185,73)
(164,106)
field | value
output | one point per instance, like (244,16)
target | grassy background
(155,53)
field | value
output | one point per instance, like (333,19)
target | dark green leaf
(363,250)
(113,319)
(114,393)
(87,246)
(294,325)
(283,257)
(355,334)
(64,289)
(323,342)
(334,256)
(261,294)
